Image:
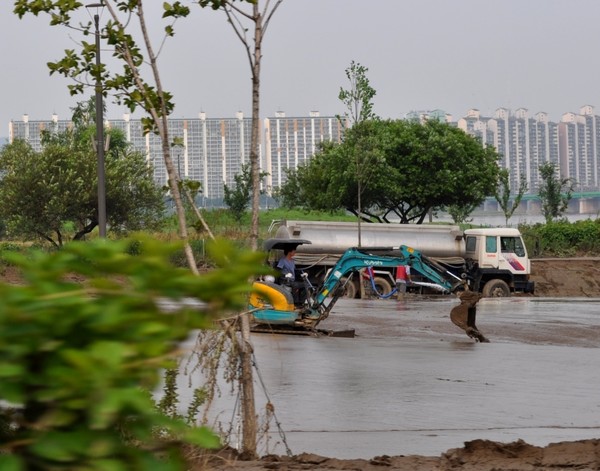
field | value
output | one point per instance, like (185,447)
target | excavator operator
(286,264)
(287,268)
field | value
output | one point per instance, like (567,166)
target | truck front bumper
(525,286)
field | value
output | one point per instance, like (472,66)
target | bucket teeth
(475,334)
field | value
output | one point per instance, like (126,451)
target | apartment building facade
(525,142)
(209,150)
(579,138)
(212,150)
(32,130)
(292,141)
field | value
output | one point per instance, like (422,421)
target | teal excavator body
(272,304)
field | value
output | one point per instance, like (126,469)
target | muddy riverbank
(476,455)
(554,278)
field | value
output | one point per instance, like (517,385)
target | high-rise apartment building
(212,150)
(32,130)
(290,142)
(523,142)
(579,139)
(209,150)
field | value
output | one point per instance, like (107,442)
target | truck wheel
(349,291)
(496,289)
(382,285)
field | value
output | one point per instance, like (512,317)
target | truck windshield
(512,245)
(471,245)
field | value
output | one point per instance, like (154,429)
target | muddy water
(413,383)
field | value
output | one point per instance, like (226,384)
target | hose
(374,288)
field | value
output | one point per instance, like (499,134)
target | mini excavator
(275,308)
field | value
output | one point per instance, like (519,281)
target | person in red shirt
(402,279)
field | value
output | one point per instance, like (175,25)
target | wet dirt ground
(413,388)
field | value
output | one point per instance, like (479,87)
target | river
(411,382)
(498,219)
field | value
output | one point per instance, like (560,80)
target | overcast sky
(543,55)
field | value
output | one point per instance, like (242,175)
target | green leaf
(81,357)
(102,447)
(57,418)
(54,446)
(11,463)
(110,465)
(10,370)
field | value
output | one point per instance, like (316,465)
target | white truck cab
(504,266)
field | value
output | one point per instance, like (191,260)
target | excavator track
(287,330)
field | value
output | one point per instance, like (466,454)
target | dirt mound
(566,277)
(484,455)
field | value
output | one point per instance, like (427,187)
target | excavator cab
(276,247)
(281,293)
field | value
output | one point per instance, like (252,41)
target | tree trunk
(255,139)
(249,428)
(176,194)
(254,56)
(159,113)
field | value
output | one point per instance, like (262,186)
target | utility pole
(99,129)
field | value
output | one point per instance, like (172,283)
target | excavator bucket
(464,315)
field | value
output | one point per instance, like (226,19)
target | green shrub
(562,238)
(7,248)
(79,358)
(179,259)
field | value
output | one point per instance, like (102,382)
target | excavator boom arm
(355,259)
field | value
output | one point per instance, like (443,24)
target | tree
(328,181)
(177,145)
(190,188)
(259,20)
(238,198)
(460,214)
(137,83)
(555,192)
(358,98)
(503,194)
(43,191)
(435,165)
(359,108)
(135,90)
(289,194)
(80,361)
(416,168)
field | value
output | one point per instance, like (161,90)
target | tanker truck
(497,257)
